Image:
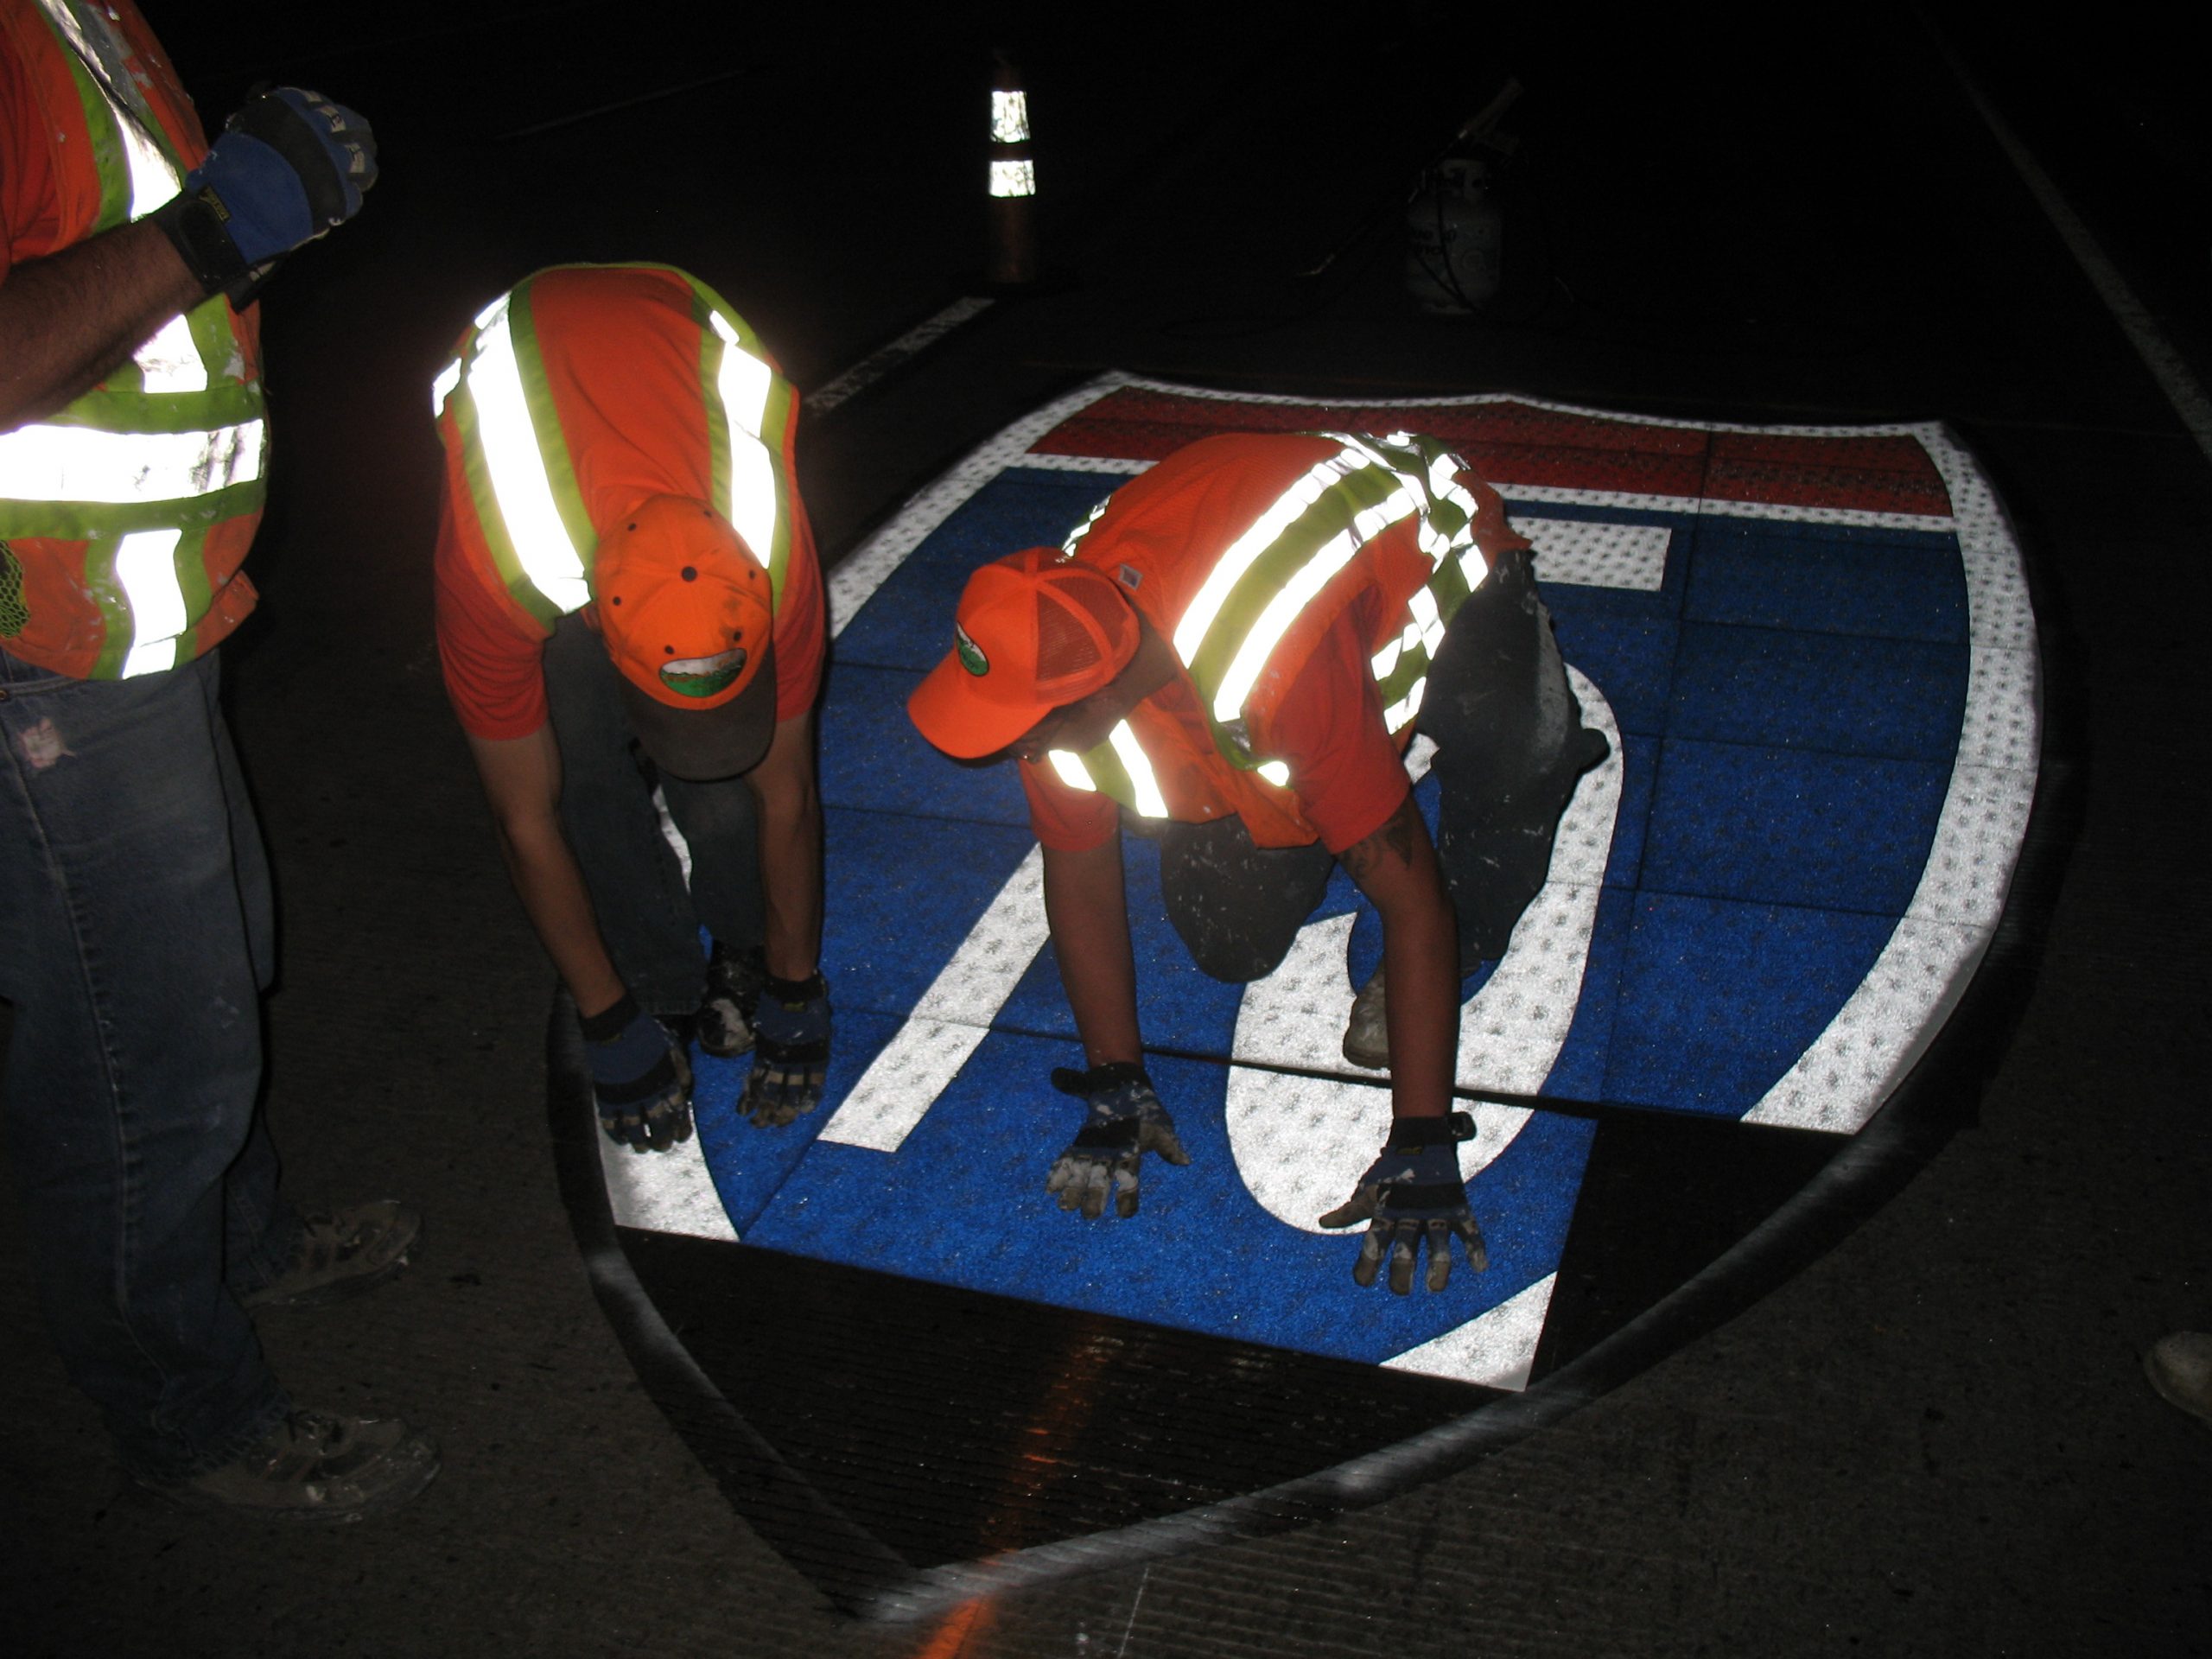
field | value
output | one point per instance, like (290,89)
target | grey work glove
(1126,1121)
(640,1078)
(1413,1191)
(790,1050)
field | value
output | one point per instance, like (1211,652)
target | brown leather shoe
(343,1253)
(317,1466)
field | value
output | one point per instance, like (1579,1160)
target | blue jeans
(135,905)
(648,916)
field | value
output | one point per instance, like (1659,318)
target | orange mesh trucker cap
(687,617)
(1034,632)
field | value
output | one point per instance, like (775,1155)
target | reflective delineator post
(1013,259)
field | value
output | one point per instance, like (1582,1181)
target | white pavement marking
(1850,1069)
(667,1191)
(1593,554)
(877,363)
(1496,1349)
(953,1017)
(1301,1142)
(2158,352)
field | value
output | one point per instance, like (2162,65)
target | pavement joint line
(2158,352)
(879,363)
(537,128)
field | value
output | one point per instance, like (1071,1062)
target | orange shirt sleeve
(801,621)
(494,667)
(1067,820)
(1345,768)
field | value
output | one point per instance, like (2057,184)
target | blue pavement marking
(1789,697)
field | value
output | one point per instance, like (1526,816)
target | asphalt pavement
(1935,1440)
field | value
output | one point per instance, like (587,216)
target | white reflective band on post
(743,383)
(1071,771)
(145,566)
(1013,179)
(1009,117)
(1284,511)
(443,387)
(1151,803)
(82,463)
(517,469)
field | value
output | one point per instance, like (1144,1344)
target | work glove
(733,982)
(640,1078)
(1126,1121)
(790,1050)
(1414,1191)
(289,166)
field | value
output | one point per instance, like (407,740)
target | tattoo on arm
(1394,838)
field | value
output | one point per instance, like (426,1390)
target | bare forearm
(70,319)
(790,878)
(1397,868)
(1088,911)
(551,888)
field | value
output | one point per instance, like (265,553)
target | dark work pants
(647,916)
(1510,745)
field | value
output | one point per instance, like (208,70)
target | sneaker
(1367,1033)
(343,1253)
(733,982)
(315,1466)
(2180,1368)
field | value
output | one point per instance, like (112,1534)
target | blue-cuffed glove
(288,167)
(1414,1191)
(640,1078)
(1126,1121)
(790,1050)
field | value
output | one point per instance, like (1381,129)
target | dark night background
(1936,1440)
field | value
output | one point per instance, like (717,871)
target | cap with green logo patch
(689,618)
(1035,631)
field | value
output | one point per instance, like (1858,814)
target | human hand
(287,168)
(1413,1191)
(1126,1121)
(640,1079)
(790,1051)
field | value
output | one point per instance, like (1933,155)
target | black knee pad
(1236,906)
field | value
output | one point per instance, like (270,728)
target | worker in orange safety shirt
(1235,651)
(628,600)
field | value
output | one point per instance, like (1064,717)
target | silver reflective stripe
(170,360)
(443,387)
(1150,802)
(1284,511)
(1071,770)
(145,566)
(83,463)
(744,382)
(517,466)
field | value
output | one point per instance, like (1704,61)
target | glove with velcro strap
(790,1050)
(289,166)
(1126,1121)
(640,1078)
(1414,1191)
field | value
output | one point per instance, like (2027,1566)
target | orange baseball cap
(688,617)
(1034,632)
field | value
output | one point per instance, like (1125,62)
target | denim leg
(1509,745)
(719,825)
(607,812)
(135,899)
(1238,907)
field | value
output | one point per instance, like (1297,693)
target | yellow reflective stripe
(520,486)
(744,383)
(1284,511)
(1281,611)
(83,463)
(1149,801)
(145,566)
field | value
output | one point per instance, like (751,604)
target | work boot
(315,1466)
(2180,1368)
(733,982)
(1367,1033)
(341,1254)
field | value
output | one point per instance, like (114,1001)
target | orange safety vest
(124,517)
(1243,551)
(586,388)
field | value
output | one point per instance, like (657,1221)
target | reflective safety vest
(124,517)
(1269,576)
(497,409)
